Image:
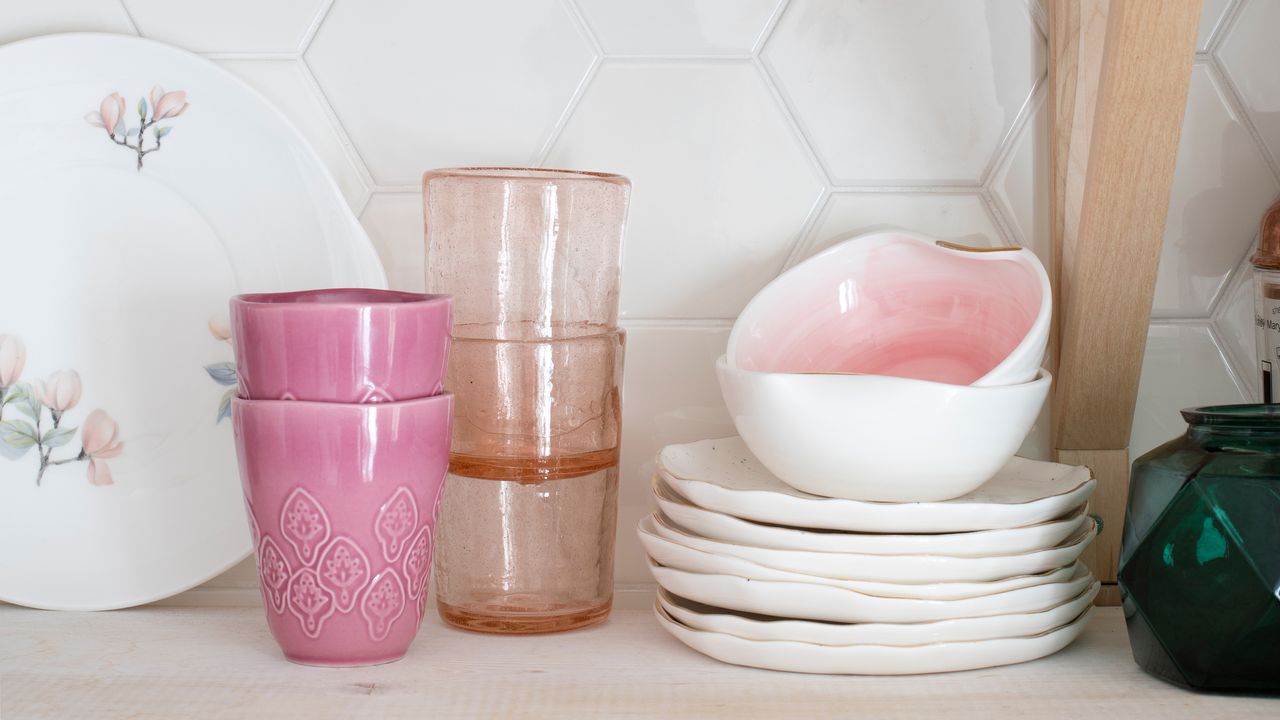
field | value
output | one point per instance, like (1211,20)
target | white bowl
(812,601)
(885,568)
(868,437)
(901,305)
(727,528)
(722,475)
(873,659)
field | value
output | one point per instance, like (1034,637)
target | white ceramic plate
(886,568)
(764,627)
(115,272)
(674,555)
(811,601)
(978,543)
(722,475)
(873,659)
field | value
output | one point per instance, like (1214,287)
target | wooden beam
(1119,88)
(1111,272)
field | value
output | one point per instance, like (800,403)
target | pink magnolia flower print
(100,438)
(110,116)
(167,105)
(41,407)
(61,391)
(13,358)
(223,373)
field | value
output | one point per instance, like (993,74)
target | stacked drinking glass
(532,259)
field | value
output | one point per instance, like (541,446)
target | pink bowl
(901,305)
(343,501)
(349,345)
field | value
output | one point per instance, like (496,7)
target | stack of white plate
(754,572)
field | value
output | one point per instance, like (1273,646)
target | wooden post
(1107,260)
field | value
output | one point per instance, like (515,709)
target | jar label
(1267,338)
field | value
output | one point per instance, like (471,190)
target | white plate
(724,476)
(810,601)
(886,568)
(978,543)
(115,272)
(873,659)
(765,627)
(674,555)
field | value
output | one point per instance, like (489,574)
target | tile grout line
(339,129)
(1240,275)
(761,67)
(1224,290)
(1038,19)
(1225,23)
(1003,226)
(309,33)
(995,201)
(770,25)
(1227,359)
(128,15)
(1220,75)
(1005,147)
(803,240)
(584,29)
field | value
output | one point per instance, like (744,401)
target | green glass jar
(1200,559)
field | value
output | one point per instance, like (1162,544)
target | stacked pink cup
(343,437)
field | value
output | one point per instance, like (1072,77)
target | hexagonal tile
(1233,322)
(285,84)
(1211,18)
(720,183)
(906,91)
(480,83)
(394,223)
(29,19)
(959,217)
(670,395)
(1251,54)
(246,26)
(1021,182)
(1183,367)
(677,27)
(1221,187)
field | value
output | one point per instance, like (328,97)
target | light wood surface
(221,663)
(1141,99)
(1111,468)
(1120,71)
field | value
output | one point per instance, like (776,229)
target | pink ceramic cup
(348,345)
(343,501)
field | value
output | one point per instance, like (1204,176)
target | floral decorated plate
(140,187)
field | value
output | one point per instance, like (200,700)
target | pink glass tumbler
(532,258)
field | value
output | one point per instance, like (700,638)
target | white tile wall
(757,132)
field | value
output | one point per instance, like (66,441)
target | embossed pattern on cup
(343,501)
(348,345)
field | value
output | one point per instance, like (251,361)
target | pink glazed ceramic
(348,345)
(343,501)
(902,305)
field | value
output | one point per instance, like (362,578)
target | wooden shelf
(170,662)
